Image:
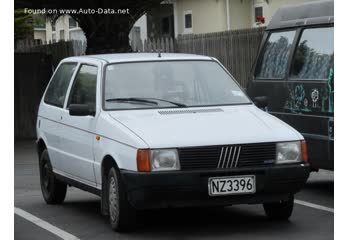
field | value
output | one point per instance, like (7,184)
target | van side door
(309,106)
(79,134)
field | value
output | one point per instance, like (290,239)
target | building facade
(203,16)
(63,29)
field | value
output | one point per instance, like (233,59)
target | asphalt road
(80,217)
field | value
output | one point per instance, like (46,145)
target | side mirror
(261,101)
(80,110)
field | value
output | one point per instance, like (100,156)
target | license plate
(231,185)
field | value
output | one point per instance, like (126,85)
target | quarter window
(273,61)
(314,56)
(56,92)
(84,88)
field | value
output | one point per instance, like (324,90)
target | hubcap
(113,202)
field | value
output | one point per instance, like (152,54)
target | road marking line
(45,225)
(312,205)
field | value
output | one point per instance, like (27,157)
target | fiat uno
(145,131)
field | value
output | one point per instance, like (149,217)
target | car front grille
(227,156)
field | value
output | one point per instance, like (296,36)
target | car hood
(183,127)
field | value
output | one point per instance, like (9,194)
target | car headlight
(157,160)
(165,159)
(288,152)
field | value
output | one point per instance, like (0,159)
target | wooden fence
(154,45)
(32,73)
(57,51)
(236,50)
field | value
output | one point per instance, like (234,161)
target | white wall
(207,15)
(240,14)
(142,23)
(40,33)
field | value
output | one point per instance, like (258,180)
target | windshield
(169,84)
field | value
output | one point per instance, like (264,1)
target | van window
(56,92)
(314,56)
(274,59)
(84,88)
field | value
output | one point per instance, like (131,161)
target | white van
(163,130)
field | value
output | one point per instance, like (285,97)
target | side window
(56,92)
(274,59)
(84,87)
(314,56)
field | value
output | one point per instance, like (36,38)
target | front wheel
(121,213)
(281,210)
(53,190)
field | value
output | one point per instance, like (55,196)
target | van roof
(318,12)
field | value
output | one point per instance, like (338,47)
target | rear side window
(274,59)
(84,88)
(56,92)
(314,56)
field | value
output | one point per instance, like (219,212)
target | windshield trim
(171,60)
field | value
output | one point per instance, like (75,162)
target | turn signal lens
(304,151)
(143,160)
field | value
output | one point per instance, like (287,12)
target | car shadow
(321,186)
(180,222)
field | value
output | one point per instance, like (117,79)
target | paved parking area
(79,216)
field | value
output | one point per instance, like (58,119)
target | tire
(281,210)
(53,190)
(122,215)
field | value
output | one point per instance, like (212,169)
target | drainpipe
(228,15)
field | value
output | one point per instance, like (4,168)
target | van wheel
(53,190)
(121,213)
(281,210)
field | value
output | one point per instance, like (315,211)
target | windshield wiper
(164,100)
(144,100)
(132,99)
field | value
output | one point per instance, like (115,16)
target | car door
(79,134)
(51,109)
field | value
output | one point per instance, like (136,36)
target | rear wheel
(281,210)
(121,213)
(53,190)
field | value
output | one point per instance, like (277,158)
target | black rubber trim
(79,185)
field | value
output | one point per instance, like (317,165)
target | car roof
(311,13)
(139,57)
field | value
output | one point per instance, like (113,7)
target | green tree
(105,33)
(23,24)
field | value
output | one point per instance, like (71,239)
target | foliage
(39,20)
(23,24)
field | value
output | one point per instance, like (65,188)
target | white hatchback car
(163,130)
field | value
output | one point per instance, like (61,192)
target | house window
(258,12)
(72,23)
(188,21)
(54,38)
(53,27)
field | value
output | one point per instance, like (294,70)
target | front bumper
(190,188)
